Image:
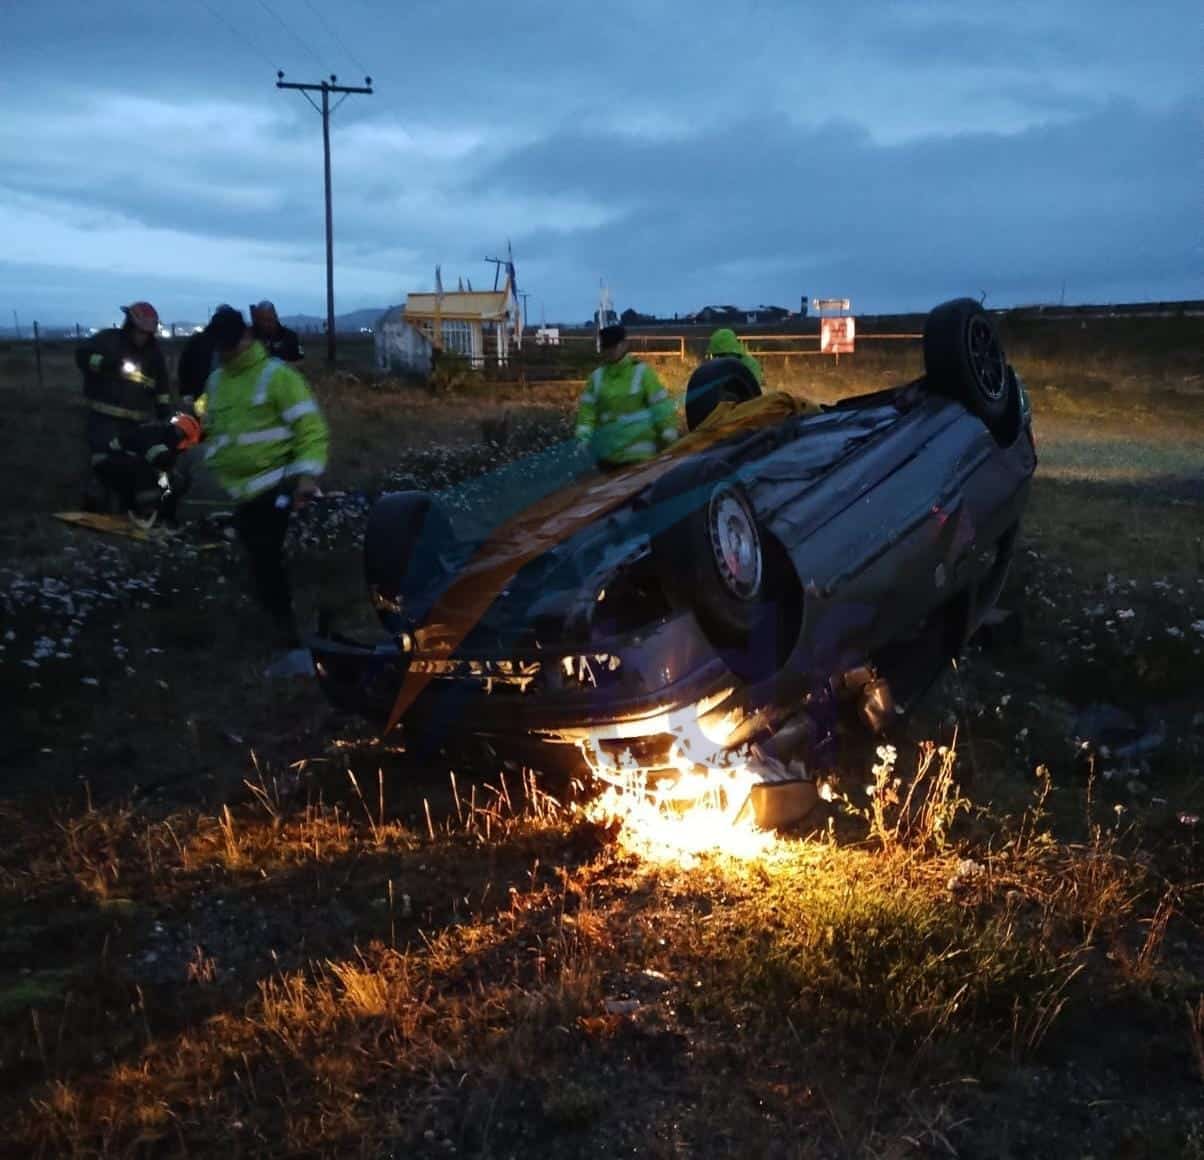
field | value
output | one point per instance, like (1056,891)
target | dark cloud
(685,151)
(1106,198)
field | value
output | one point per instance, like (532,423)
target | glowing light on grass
(670,829)
(694,801)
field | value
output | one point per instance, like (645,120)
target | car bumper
(619,687)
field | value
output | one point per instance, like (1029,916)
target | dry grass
(920,814)
(1195,1031)
(899,956)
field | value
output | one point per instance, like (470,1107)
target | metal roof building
(479,325)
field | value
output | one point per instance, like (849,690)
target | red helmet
(143,316)
(189,430)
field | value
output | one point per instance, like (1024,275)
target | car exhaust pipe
(778,805)
(783,795)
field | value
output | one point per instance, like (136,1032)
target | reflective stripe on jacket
(625,413)
(111,392)
(116,402)
(262,424)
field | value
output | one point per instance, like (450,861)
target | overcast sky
(686,152)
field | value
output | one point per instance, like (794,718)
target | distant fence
(574,355)
(678,346)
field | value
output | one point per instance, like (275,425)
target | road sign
(836,335)
(822,304)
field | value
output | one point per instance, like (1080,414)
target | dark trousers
(128,477)
(261,527)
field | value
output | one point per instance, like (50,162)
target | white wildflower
(1125,614)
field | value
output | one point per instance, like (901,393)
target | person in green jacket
(267,445)
(625,414)
(725,344)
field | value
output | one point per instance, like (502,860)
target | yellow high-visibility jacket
(262,425)
(625,414)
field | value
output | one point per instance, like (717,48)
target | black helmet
(227,326)
(612,335)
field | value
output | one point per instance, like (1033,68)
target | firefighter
(625,414)
(125,387)
(267,444)
(278,340)
(725,344)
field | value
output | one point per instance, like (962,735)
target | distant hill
(349,323)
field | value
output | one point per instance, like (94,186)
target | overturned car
(780,563)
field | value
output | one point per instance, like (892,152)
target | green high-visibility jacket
(724,343)
(263,428)
(625,414)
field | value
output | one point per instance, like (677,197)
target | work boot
(169,508)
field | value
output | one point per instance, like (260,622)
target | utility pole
(497,264)
(326,88)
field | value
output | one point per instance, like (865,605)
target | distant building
(401,347)
(766,314)
(479,325)
(631,317)
(738,316)
(717,314)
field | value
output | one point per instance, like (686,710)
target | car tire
(405,535)
(716,381)
(964,359)
(713,556)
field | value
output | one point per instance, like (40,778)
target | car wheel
(716,381)
(713,556)
(964,358)
(405,534)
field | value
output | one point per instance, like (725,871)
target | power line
(241,35)
(291,31)
(355,60)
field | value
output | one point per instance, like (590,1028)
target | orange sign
(836,335)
